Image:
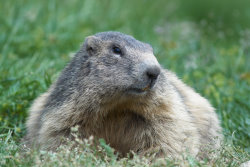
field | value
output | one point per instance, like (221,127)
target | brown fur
(170,116)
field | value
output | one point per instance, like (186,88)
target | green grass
(38,37)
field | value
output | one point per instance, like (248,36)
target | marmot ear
(92,44)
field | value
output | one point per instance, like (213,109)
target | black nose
(152,74)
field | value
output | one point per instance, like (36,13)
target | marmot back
(114,88)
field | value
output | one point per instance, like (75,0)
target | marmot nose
(152,74)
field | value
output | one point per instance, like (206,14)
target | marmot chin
(115,89)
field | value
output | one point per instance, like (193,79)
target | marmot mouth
(135,90)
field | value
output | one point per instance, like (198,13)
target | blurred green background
(207,43)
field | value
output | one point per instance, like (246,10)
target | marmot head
(110,66)
(122,63)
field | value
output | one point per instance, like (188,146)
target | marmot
(115,89)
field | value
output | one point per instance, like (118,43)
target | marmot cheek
(108,61)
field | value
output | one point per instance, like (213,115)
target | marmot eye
(117,50)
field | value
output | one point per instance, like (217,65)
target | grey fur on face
(97,67)
(114,88)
